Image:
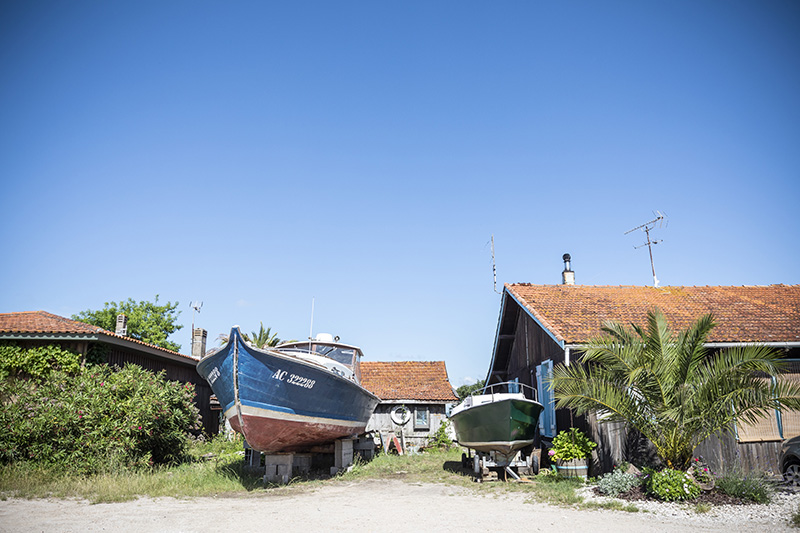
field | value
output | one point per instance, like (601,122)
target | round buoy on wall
(400,415)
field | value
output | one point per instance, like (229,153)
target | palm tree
(263,339)
(670,387)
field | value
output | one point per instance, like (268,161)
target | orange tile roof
(575,313)
(407,380)
(43,322)
(48,323)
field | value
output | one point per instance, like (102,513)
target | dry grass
(225,475)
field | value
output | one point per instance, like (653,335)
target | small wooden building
(414,396)
(545,325)
(38,328)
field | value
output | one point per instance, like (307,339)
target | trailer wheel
(533,463)
(464,463)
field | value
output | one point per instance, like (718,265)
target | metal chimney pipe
(567,275)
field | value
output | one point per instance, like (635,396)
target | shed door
(547,420)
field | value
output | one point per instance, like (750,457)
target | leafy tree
(147,321)
(670,387)
(466,390)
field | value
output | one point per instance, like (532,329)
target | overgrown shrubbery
(672,485)
(97,419)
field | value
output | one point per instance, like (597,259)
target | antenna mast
(494,268)
(311,328)
(196,306)
(646,227)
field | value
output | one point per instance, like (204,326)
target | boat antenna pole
(311,329)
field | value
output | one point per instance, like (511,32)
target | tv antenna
(494,268)
(646,227)
(196,305)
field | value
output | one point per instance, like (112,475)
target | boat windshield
(340,354)
(508,387)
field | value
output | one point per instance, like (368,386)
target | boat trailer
(490,466)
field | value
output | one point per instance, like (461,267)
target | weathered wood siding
(381,421)
(531,346)
(722,454)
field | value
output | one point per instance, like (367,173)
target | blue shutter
(547,420)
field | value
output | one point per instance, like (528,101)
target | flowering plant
(672,485)
(571,444)
(701,474)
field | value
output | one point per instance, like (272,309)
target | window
(421,418)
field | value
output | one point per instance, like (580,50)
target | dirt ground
(363,506)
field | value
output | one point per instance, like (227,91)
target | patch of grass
(435,466)
(795,520)
(613,505)
(702,508)
(222,474)
(555,490)
(187,480)
(217,469)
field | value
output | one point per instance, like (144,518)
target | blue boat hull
(281,403)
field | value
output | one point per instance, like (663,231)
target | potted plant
(571,450)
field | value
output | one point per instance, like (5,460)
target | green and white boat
(500,420)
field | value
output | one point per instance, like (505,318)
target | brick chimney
(199,342)
(122,326)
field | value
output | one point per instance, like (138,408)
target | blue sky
(258,155)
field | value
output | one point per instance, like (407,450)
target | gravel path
(381,506)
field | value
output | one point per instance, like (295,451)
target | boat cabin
(343,359)
(496,392)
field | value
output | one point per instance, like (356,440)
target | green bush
(98,419)
(618,482)
(672,485)
(756,488)
(440,439)
(36,363)
(572,444)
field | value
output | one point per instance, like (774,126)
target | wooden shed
(544,325)
(36,328)
(414,396)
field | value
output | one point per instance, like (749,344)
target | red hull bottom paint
(269,435)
